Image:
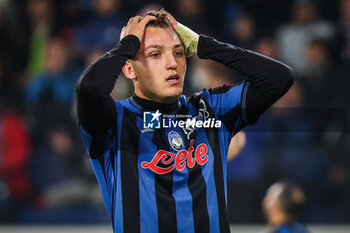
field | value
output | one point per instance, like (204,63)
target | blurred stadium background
(45,175)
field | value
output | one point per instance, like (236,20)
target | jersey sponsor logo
(175,140)
(164,161)
(151,120)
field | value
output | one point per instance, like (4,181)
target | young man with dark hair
(159,157)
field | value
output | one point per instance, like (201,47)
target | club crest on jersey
(175,140)
(164,162)
(151,120)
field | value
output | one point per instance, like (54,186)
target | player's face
(159,66)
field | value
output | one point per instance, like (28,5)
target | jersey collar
(144,104)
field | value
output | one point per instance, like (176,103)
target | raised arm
(95,106)
(268,79)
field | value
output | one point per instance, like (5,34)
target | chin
(177,94)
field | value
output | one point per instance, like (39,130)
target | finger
(122,34)
(172,21)
(170,17)
(130,20)
(137,18)
(148,18)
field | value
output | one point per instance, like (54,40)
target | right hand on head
(136,26)
(189,38)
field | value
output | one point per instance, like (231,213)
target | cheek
(182,65)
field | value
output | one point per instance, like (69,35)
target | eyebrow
(160,46)
(178,46)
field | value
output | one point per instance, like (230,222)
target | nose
(171,63)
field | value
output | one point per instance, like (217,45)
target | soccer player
(282,205)
(160,157)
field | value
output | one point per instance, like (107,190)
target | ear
(128,70)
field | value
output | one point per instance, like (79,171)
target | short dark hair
(161,22)
(292,198)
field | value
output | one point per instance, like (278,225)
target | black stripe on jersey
(101,161)
(197,187)
(166,207)
(230,118)
(222,89)
(129,172)
(97,147)
(213,139)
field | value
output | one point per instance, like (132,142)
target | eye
(155,55)
(179,53)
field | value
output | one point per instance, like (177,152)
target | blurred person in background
(206,74)
(12,51)
(101,26)
(15,150)
(49,94)
(320,75)
(40,16)
(342,42)
(64,183)
(294,36)
(57,161)
(243,31)
(293,149)
(282,205)
(267,46)
(191,12)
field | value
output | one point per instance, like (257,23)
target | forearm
(95,106)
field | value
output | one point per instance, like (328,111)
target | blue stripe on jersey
(182,195)
(224,102)
(99,167)
(212,200)
(118,207)
(147,185)
(99,171)
(224,136)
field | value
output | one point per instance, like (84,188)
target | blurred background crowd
(45,175)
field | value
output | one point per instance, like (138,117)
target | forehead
(160,36)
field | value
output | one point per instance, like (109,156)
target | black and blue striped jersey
(151,185)
(171,177)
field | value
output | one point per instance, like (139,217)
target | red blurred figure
(14,154)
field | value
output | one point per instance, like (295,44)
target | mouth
(173,79)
